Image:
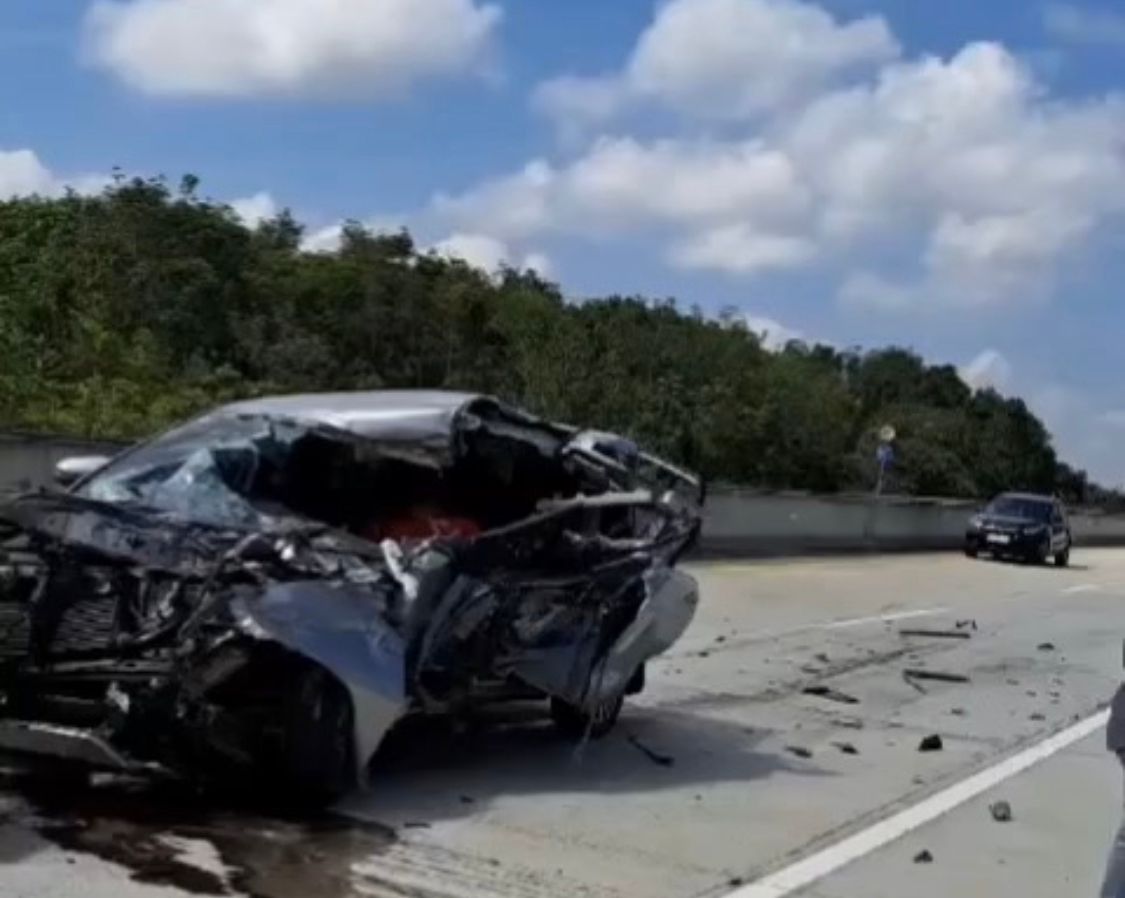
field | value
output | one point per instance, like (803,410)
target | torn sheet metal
(273,586)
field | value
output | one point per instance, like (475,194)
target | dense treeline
(122,312)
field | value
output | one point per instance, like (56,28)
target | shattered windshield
(206,471)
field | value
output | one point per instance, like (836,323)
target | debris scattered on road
(970,623)
(720,639)
(1031,693)
(703,654)
(914,684)
(833,695)
(654,756)
(1054,694)
(798,750)
(959,712)
(735,881)
(811,669)
(918,781)
(1001,811)
(921,673)
(923,857)
(1046,646)
(821,657)
(937,634)
(931,743)
(1037,716)
(846,748)
(850,723)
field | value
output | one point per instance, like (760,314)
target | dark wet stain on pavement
(143,827)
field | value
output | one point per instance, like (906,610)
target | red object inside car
(421,526)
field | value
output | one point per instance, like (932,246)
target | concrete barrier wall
(737,522)
(27,461)
(747,523)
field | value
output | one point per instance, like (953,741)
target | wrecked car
(267,590)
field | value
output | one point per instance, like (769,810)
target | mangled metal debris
(937,634)
(1001,811)
(833,695)
(930,743)
(268,589)
(658,758)
(921,673)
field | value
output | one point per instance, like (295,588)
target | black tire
(970,552)
(636,684)
(1062,559)
(318,761)
(574,723)
(1043,553)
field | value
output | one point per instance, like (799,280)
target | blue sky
(949,177)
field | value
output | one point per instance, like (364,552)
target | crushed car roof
(376,414)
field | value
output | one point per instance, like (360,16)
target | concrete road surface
(723,778)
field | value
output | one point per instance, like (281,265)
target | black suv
(1021,525)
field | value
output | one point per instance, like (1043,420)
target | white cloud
(726,205)
(1083,432)
(1084,24)
(323,240)
(489,254)
(997,182)
(739,249)
(989,369)
(253,210)
(773,334)
(540,263)
(23,174)
(924,183)
(242,48)
(725,59)
(329,238)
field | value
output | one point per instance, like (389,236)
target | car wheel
(318,762)
(1062,559)
(1043,555)
(575,723)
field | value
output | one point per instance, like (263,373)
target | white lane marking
(879,618)
(817,866)
(1082,587)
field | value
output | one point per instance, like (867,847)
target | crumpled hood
(165,542)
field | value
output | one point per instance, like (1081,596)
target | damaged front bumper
(130,643)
